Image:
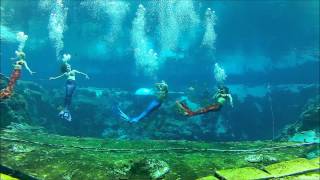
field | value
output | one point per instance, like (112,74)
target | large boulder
(311,115)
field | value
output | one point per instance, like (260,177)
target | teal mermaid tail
(122,115)
(155,104)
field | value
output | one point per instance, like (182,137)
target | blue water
(256,42)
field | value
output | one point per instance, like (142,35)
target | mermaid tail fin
(5,93)
(183,108)
(65,114)
(122,115)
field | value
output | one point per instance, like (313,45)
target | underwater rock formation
(311,115)
(93,114)
(30,104)
(306,129)
(255,158)
(155,168)
(152,168)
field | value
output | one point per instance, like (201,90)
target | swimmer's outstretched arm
(52,78)
(27,68)
(86,75)
(230,99)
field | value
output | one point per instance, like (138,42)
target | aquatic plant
(57,25)
(146,58)
(210,35)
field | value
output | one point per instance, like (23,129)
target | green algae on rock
(243,174)
(292,167)
(255,158)
(50,156)
(208,178)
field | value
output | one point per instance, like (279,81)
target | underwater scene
(159,89)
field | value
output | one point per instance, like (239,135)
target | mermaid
(15,75)
(221,96)
(17,66)
(70,85)
(160,93)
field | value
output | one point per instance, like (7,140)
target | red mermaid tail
(189,112)
(7,92)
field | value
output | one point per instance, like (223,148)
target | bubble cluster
(176,31)
(45,5)
(210,35)
(116,10)
(177,23)
(168,26)
(66,58)
(146,58)
(57,25)
(219,74)
(21,38)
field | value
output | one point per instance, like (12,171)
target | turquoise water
(269,51)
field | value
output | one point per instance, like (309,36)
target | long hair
(223,89)
(64,67)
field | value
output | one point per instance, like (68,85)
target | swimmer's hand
(87,77)
(231,100)
(52,78)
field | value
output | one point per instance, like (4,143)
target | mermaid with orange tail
(17,67)
(221,97)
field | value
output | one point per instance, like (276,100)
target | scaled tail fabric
(189,112)
(7,92)
(70,87)
(155,104)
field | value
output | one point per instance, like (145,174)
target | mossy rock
(308,176)
(243,174)
(208,178)
(292,167)
(32,151)
(6,177)
(316,160)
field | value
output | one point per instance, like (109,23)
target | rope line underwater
(157,149)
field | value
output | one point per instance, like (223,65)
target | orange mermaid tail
(7,92)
